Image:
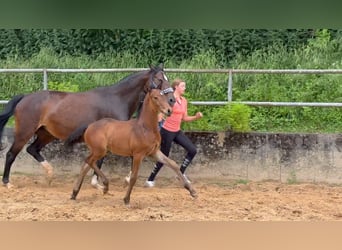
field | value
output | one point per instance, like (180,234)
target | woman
(171,131)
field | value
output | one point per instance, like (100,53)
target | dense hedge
(155,44)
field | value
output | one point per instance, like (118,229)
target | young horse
(54,115)
(136,137)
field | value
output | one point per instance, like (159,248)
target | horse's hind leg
(173,165)
(43,138)
(12,153)
(21,137)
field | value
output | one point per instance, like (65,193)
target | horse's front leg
(84,170)
(159,156)
(43,138)
(128,176)
(136,161)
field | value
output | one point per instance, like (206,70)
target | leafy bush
(233,117)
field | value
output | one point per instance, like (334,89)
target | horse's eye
(159,81)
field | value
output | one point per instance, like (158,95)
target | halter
(155,86)
(166,91)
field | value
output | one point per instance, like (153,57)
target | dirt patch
(219,200)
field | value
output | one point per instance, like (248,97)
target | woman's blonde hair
(176,82)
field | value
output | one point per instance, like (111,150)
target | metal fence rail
(229,73)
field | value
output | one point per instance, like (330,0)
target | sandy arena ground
(32,199)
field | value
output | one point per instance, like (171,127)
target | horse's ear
(161,66)
(152,67)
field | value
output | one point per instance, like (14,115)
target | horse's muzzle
(168,112)
(172,101)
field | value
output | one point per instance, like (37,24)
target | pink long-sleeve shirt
(173,122)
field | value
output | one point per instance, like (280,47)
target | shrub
(233,117)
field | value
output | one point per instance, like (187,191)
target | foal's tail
(76,136)
(8,112)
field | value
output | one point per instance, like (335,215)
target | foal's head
(159,102)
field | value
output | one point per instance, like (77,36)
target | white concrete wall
(245,156)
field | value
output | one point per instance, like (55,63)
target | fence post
(45,80)
(230,86)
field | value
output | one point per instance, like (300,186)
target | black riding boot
(155,171)
(184,165)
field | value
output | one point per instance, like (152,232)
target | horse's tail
(8,112)
(76,136)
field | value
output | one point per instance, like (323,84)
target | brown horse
(136,137)
(54,115)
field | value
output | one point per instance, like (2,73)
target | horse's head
(160,102)
(159,80)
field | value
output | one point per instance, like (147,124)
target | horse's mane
(153,69)
(125,82)
(130,78)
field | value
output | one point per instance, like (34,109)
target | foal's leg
(173,165)
(43,138)
(136,161)
(84,170)
(104,179)
(128,176)
(94,180)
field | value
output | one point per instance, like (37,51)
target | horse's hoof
(49,181)
(194,194)
(50,173)
(8,185)
(126,201)
(97,186)
(100,187)
(94,181)
(74,194)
